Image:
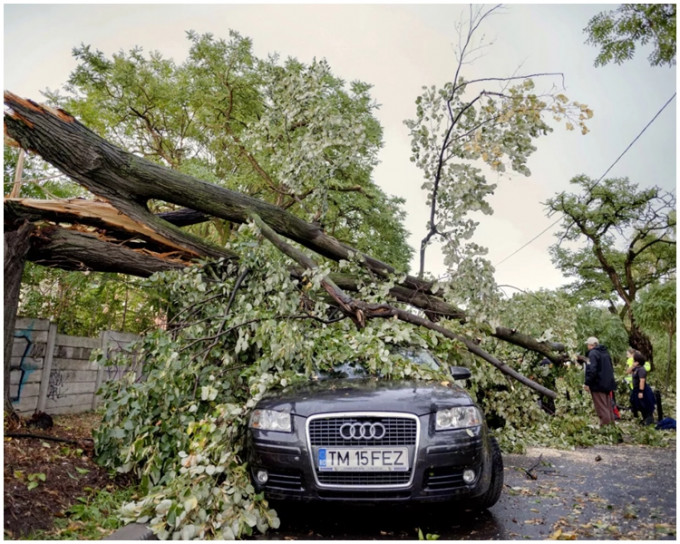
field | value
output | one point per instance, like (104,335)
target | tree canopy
(619,32)
(627,237)
(231,117)
(656,311)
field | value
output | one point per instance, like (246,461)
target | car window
(353,369)
(418,355)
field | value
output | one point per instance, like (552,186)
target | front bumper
(437,462)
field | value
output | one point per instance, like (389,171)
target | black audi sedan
(350,437)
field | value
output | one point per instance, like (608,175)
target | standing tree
(288,133)
(467,125)
(17,245)
(618,32)
(626,240)
(656,310)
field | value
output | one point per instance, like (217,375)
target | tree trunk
(128,182)
(73,250)
(17,245)
(641,342)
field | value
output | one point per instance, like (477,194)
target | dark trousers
(603,407)
(644,405)
(633,405)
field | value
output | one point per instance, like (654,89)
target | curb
(134,531)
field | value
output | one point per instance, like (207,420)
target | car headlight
(271,420)
(459,417)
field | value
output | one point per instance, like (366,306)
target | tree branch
(359,311)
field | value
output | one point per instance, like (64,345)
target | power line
(635,140)
(529,242)
(596,183)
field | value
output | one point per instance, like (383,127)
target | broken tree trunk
(17,244)
(106,221)
(73,250)
(98,237)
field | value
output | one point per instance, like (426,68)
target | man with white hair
(600,380)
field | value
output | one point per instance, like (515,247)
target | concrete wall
(53,373)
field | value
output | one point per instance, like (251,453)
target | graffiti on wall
(119,350)
(25,368)
(55,389)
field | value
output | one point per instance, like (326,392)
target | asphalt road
(601,493)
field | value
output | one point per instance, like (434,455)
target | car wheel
(493,493)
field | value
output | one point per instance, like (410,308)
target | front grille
(400,430)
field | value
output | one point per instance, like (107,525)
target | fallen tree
(70,250)
(123,235)
(140,242)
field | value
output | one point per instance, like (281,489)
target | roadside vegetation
(92,517)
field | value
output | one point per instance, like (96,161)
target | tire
(493,493)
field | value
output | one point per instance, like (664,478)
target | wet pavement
(599,493)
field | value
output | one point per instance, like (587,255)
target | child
(642,396)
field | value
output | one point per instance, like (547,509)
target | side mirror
(460,372)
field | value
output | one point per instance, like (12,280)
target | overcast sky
(398,48)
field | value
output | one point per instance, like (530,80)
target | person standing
(630,363)
(599,380)
(642,396)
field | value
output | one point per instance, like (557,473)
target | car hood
(379,395)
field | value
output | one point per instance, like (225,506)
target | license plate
(362,459)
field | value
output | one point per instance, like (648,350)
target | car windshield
(354,369)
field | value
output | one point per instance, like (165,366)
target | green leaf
(190,504)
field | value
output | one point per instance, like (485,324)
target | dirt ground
(43,476)
(622,492)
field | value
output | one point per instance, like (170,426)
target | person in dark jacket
(642,396)
(600,380)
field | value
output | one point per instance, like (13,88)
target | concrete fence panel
(27,364)
(55,373)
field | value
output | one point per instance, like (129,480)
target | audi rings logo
(362,431)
